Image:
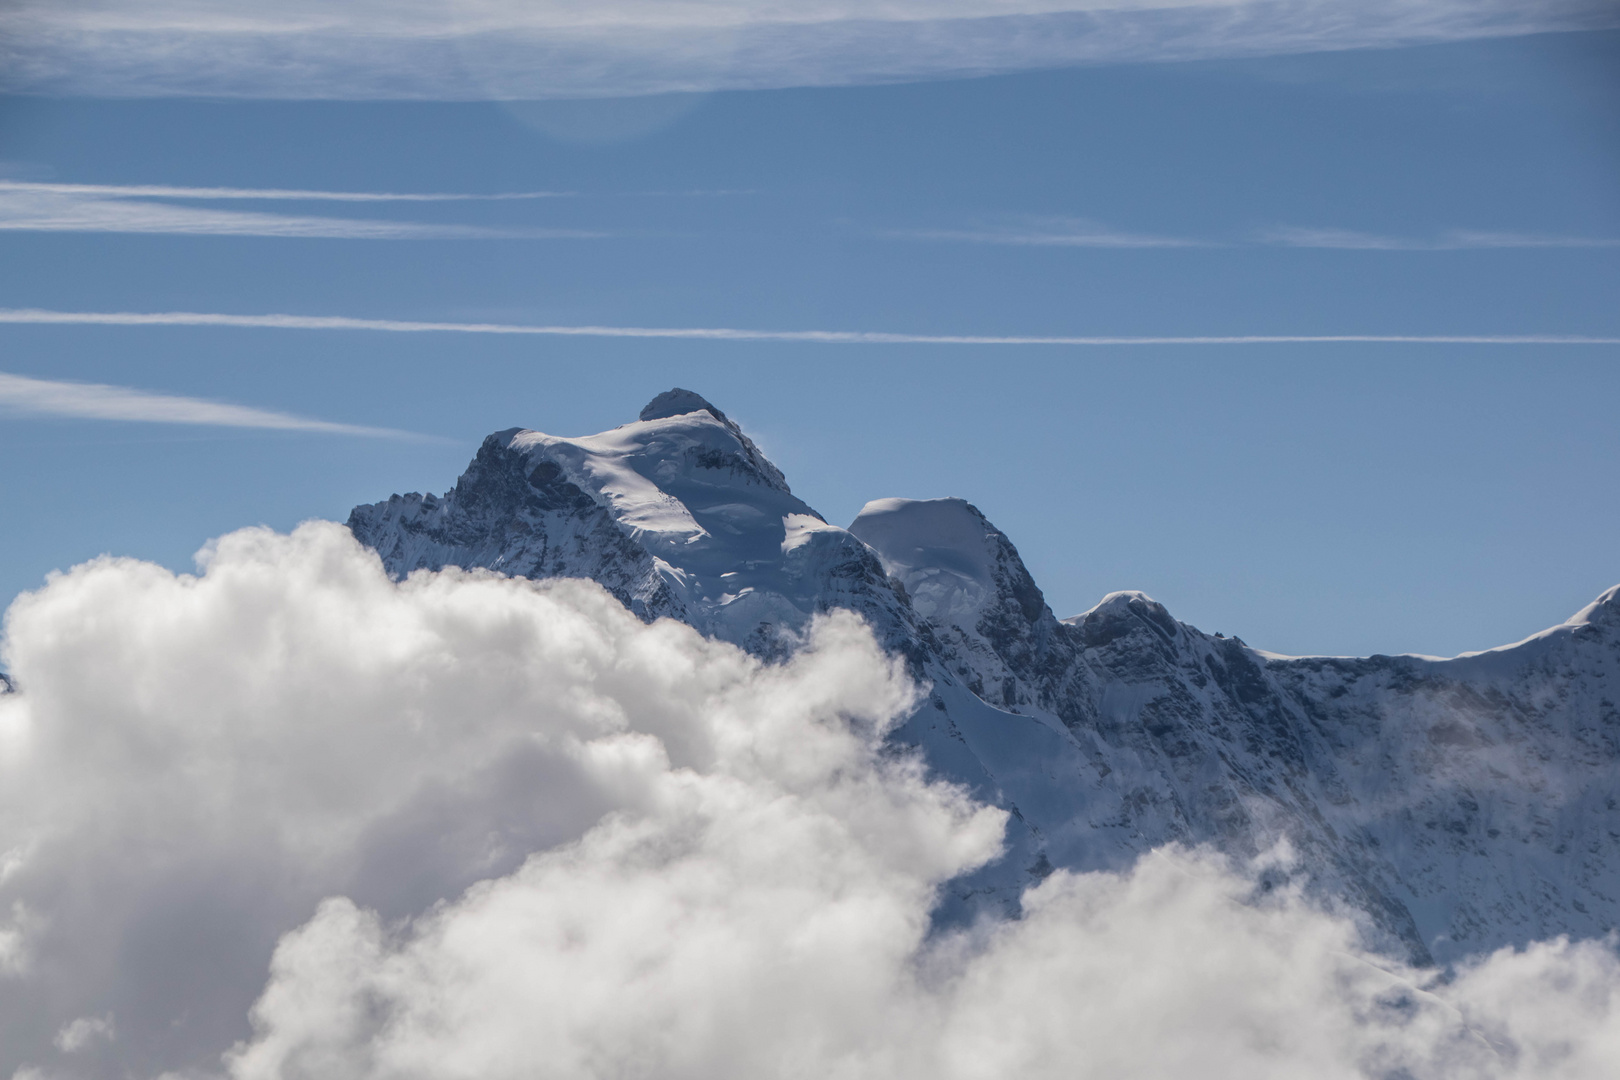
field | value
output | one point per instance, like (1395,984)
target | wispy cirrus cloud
(1081,233)
(25,396)
(514,49)
(1049,232)
(80,208)
(1454,240)
(172,191)
(37,317)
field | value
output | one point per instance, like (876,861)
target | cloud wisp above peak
(508,49)
(21,395)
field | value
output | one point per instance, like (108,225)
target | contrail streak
(833,337)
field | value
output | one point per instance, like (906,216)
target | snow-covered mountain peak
(662,475)
(1600,619)
(1107,620)
(679,405)
(965,581)
(1604,611)
(1119,604)
(678,513)
(941,550)
(1460,804)
(677,402)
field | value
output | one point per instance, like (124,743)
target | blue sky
(1311,497)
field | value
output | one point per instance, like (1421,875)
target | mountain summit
(677,402)
(1460,805)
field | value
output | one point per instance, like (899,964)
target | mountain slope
(1459,804)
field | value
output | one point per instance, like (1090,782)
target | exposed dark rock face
(523,519)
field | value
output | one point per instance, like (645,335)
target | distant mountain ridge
(1459,804)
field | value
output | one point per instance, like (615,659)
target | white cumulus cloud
(83,1032)
(286,818)
(623,958)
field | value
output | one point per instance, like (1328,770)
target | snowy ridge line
(36,316)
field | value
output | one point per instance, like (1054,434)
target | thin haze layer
(504,49)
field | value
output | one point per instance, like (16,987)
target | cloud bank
(508,49)
(21,395)
(287,818)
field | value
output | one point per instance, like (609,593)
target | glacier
(1454,806)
